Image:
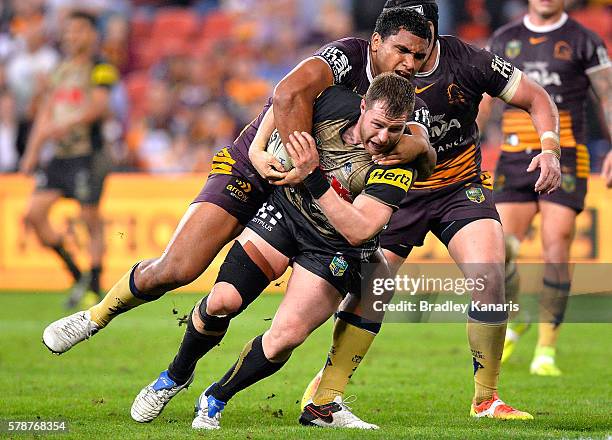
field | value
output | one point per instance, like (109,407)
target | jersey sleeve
(104,75)
(493,74)
(343,58)
(389,184)
(594,54)
(420,116)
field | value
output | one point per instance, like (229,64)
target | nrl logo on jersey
(440,127)
(513,48)
(538,71)
(338,266)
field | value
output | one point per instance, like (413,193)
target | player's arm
(265,164)
(37,138)
(532,98)
(359,221)
(601,81)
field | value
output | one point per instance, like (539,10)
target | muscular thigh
(516,217)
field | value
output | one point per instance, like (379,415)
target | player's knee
(224,299)
(489,279)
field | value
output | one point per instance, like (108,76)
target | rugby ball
(277,149)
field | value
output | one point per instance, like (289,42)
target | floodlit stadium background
(193,74)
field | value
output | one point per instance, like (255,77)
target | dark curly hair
(428,8)
(391,21)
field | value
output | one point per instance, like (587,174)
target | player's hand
(267,165)
(28,164)
(550,172)
(303,151)
(606,169)
(404,151)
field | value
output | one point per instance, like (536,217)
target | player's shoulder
(509,30)
(336,102)
(574,29)
(103,73)
(453,48)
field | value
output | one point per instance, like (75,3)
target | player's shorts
(281,225)
(515,185)
(234,185)
(425,210)
(81,178)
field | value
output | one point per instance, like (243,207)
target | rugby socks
(512,285)
(122,297)
(351,340)
(94,282)
(68,260)
(487,345)
(251,367)
(195,344)
(552,311)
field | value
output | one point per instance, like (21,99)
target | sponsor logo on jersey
(338,266)
(538,71)
(534,41)
(338,61)
(239,189)
(513,48)
(568,183)
(440,127)
(395,176)
(455,95)
(347,168)
(563,51)
(475,195)
(267,217)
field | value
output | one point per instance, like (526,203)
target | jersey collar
(546,28)
(433,69)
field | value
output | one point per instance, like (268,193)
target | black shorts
(234,185)
(81,178)
(513,184)
(281,225)
(425,210)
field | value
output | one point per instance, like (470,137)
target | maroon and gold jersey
(452,91)
(559,57)
(349,61)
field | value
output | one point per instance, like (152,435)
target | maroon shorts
(425,210)
(234,185)
(513,184)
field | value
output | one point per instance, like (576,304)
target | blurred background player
(564,58)
(75,104)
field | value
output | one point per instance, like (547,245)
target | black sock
(94,282)
(252,366)
(68,261)
(195,345)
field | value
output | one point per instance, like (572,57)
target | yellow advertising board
(141,211)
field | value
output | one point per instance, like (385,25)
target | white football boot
(152,399)
(63,334)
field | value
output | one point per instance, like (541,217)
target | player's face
(546,8)
(379,133)
(403,53)
(79,36)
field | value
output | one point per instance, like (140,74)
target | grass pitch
(416,382)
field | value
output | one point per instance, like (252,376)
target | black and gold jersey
(559,57)
(71,86)
(349,168)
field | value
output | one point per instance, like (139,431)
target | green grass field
(416,382)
